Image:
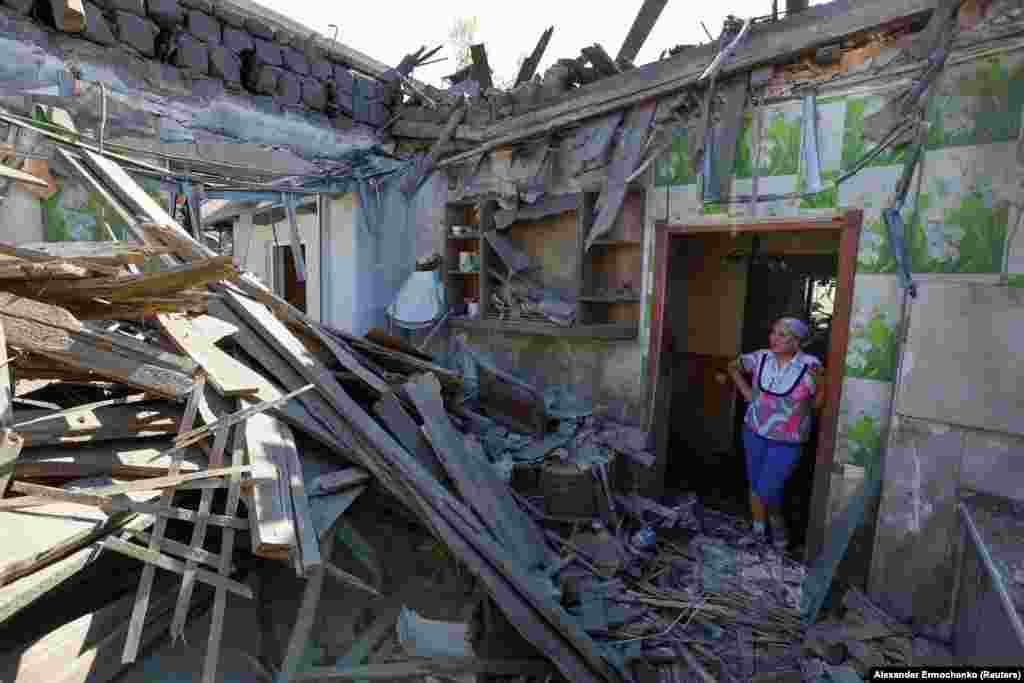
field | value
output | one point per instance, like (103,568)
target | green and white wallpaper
(959,215)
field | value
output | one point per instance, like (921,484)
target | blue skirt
(769,465)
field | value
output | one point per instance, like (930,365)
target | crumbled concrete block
(192,54)
(289,88)
(201,5)
(207,87)
(236,40)
(314,94)
(229,16)
(203,26)
(97,28)
(22,7)
(225,64)
(137,32)
(295,61)
(343,79)
(321,69)
(267,52)
(262,79)
(259,29)
(134,6)
(284,38)
(166,13)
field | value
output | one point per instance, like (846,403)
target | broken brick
(137,32)
(236,40)
(192,54)
(314,94)
(321,69)
(201,5)
(259,29)
(263,79)
(204,27)
(19,6)
(343,79)
(267,52)
(229,17)
(166,13)
(137,7)
(295,61)
(97,28)
(289,88)
(225,64)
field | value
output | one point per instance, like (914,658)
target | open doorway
(286,276)
(718,289)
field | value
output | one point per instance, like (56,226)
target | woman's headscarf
(798,328)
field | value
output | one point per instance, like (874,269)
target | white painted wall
(254,252)
(340,263)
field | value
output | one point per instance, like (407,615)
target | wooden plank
(333,482)
(344,577)
(310,413)
(227,375)
(627,154)
(143,485)
(113,254)
(767,43)
(68,15)
(39,541)
(40,257)
(309,544)
(128,288)
(401,424)
(114,505)
(127,459)
(21,176)
(299,639)
(530,64)
(181,550)
(556,635)
(481,71)
(226,549)
(102,423)
(220,442)
(142,596)
(140,201)
(273,529)
(53,332)
(476,480)
(644,22)
(414,668)
(196,435)
(156,559)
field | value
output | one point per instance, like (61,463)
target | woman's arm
(739,380)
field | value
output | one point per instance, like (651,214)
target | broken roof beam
(645,20)
(599,59)
(529,67)
(481,69)
(766,43)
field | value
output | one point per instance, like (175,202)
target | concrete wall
(966,209)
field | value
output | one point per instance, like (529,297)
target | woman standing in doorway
(785,391)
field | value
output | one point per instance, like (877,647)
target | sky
(387,31)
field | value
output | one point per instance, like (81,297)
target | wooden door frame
(848,225)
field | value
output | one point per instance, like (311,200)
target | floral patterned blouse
(781,406)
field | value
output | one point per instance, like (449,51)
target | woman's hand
(820,386)
(739,380)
